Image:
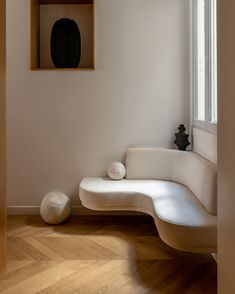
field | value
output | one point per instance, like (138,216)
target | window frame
(207,124)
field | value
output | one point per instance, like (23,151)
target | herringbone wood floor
(100,254)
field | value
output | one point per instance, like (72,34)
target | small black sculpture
(181,138)
(65,43)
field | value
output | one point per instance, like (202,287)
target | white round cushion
(116,171)
(55,207)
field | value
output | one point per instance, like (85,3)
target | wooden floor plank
(100,254)
(14,278)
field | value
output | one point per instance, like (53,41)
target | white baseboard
(76,210)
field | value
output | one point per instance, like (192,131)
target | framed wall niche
(44,14)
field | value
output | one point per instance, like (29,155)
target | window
(204,64)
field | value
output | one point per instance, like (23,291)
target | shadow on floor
(153,264)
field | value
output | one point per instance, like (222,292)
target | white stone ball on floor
(116,171)
(55,208)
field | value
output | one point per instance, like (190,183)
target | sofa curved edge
(202,239)
(171,239)
(116,208)
(90,198)
(186,238)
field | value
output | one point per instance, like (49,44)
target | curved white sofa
(178,189)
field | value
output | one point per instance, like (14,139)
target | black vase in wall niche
(181,138)
(65,43)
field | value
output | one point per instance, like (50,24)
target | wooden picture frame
(35,41)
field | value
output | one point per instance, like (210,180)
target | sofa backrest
(187,168)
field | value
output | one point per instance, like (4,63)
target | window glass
(213,82)
(205,63)
(201,61)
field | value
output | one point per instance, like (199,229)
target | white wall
(205,144)
(65,125)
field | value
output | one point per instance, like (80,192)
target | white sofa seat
(182,220)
